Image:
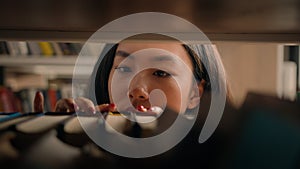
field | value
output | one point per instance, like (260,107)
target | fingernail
(112,107)
(92,110)
(76,107)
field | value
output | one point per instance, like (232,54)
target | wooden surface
(255,20)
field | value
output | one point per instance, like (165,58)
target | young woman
(166,63)
(145,73)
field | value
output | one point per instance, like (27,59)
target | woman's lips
(141,108)
(142,111)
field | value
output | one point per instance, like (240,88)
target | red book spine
(7,100)
(52,98)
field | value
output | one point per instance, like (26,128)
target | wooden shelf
(222,20)
(82,36)
(54,66)
(6,60)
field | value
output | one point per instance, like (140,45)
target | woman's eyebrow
(122,53)
(158,58)
(164,58)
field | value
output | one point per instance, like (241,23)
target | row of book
(24,48)
(22,101)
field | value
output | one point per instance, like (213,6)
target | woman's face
(152,74)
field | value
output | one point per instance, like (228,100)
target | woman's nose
(138,89)
(138,93)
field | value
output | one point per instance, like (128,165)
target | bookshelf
(229,20)
(59,66)
(7,60)
(226,22)
(30,66)
(55,58)
(267,24)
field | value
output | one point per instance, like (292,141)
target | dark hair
(103,71)
(102,74)
(200,72)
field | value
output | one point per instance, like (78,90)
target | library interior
(44,43)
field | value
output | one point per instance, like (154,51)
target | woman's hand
(71,105)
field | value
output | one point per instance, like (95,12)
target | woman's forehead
(134,46)
(176,48)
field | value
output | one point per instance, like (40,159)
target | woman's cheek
(109,86)
(178,96)
(173,95)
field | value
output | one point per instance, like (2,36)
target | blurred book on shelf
(8,100)
(22,100)
(18,92)
(4,48)
(42,48)
(31,66)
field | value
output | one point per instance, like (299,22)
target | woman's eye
(161,73)
(123,69)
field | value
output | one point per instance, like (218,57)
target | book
(7,100)
(57,49)
(46,48)
(14,118)
(52,98)
(65,48)
(3,48)
(13,48)
(41,124)
(26,97)
(75,48)
(34,48)
(23,48)
(66,91)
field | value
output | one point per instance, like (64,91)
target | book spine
(23,95)
(7,100)
(52,96)
(34,48)
(57,49)
(13,48)
(23,48)
(46,48)
(3,48)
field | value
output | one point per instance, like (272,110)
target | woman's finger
(106,107)
(38,103)
(65,105)
(85,105)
